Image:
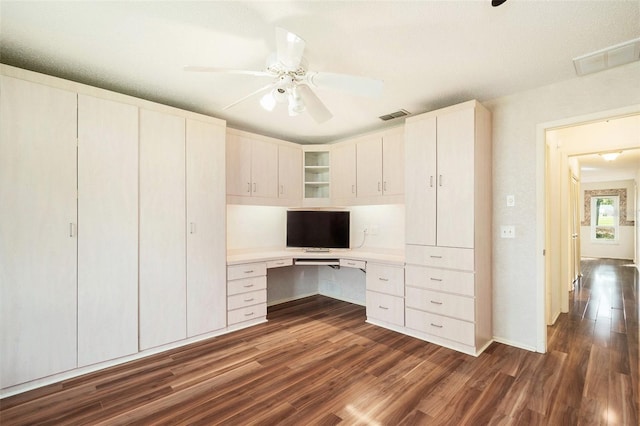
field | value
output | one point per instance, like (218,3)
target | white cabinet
(385,294)
(247,290)
(38,246)
(441,199)
(162,260)
(380,164)
(206,227)
(108,230)
(343,172)
(290,173)
(252,166)
(448,227)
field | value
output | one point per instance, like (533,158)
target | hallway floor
(598,340)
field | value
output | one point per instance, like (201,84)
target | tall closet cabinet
(448,200)
(112,227)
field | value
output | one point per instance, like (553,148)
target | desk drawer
(350,263)
(447,328)
(247,314)
(452,305)
(459,282)
(385,308)
(246,299)
(279,263)
(385,279)
(246,285)
(440,257)
(246,270)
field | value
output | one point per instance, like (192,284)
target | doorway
(561,200)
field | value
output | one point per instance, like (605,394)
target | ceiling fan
(292,82)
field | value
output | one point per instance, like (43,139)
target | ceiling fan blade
(314,106)
(360,86)
(196,68)
(257,92)
(290,48)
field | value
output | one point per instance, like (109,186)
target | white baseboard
(518,345)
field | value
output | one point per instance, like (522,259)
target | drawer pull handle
(351,264)
(436,302)
(248,286)
(383,279)
(279,263)
(250,314)
(436,325)
(435,257)
(435,279)
(249,300)
(383,307)
(249,272)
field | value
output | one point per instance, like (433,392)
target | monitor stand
(317,250)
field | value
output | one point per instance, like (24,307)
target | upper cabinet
(262,170)
(343,172)
(290,173)
(380,164)
(448,160)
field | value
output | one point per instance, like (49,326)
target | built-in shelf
(316,172)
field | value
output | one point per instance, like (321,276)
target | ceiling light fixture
(610,156)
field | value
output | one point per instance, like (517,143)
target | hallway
(599,336)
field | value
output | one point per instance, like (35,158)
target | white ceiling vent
(609,57)
(393,115)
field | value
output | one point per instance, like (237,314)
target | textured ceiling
(430,54)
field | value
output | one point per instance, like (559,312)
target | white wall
(624,247)
(256,227)
(261,227)
(517,276)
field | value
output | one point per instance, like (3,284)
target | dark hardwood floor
(317,362)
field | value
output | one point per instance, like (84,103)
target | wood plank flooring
(317,362)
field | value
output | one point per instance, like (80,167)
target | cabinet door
(420,178)
(456,135)
(264,169)
(162,229)
(393,162)
(369,167)
(290,173)
(343,170)
(108,232)
(206,230)
(38,245)
(238,165)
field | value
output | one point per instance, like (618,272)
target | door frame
(543,246)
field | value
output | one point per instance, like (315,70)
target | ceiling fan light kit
(291,80)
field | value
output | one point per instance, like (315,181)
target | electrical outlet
(374,230)
(507,231)
(511,200)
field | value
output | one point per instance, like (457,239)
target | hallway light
(610,156)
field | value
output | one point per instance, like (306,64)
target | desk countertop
(394,257)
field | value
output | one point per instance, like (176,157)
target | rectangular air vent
(609,57)
(393,115)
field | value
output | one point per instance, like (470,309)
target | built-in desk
(247,281)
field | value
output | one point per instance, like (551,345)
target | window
(605,218)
